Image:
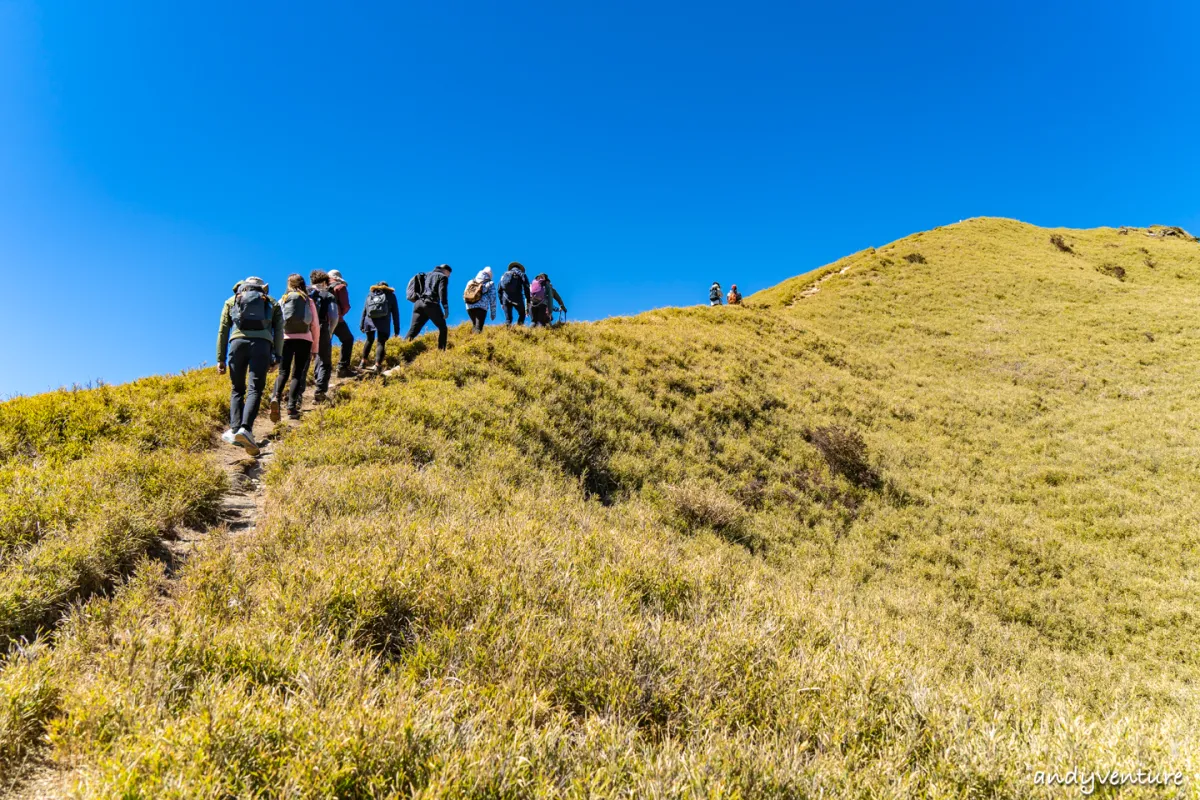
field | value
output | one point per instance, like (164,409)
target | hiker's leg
(478,318)
(508,309)
(324,361)
(419,318)
(259,358)
(285,368)
(367,345)
(439,319)
(299,374)
(346,340)
(380,347)
(521,312)
(239,362)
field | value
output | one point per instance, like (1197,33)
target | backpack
(377,304)
(297,314)
(505,281)
(714,294)
(474,291)
(251,308)
(537,292)
(325,302)
(416,287)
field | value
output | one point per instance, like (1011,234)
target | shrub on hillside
(846,453)
(1112,270)
(697,505)
(1061,243)
(915,258)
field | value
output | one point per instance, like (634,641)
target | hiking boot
(274,409)
(228,437)
(362,365)
(320,397)
(293,413)
(345,372)
(246,440)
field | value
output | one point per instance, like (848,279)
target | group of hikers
(258,333)
(734,298)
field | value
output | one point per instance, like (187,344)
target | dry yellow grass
(922,533)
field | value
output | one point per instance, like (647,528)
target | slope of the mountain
(920,524)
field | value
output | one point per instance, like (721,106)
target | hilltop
(920,523)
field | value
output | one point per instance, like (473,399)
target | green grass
(90,478)
(919,534)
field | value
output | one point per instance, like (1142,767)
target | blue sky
(153,153)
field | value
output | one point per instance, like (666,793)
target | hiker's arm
(442,286)
(314,327)
(394,306)
(277,325)
(223,334)
(558,297)
(362,319)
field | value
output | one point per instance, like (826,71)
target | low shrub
(1058,241)
(845,452)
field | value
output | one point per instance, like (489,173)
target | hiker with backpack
(337,287)
(251,335)
(514,293)
(381,315)
(714,294)
(542,296)
(735,297)
(328,318)
(480,297)
(301,339)
(429,292)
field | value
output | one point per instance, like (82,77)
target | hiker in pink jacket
(301,338)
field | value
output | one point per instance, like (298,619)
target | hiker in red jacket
(345,338)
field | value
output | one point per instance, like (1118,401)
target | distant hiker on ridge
(380,315)
(251,331)
(328,317)
(714,294)
(542,296)
(301,337)
(480,297)
(345,338)
(735,297)
(514,292)
(428,293)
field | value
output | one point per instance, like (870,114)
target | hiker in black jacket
(432,304)
(379,306)
(514,292)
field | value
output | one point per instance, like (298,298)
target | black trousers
(346,340)
(428,311)
(509,305)
(380,350)
(541,314)
(247,358)
(294,365)
(478,318)
(323,364)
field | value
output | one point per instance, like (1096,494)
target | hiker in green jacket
(252,333)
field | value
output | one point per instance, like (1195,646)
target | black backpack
(323,301)
(377,304)
(714,294)
(416,288)
(251,308)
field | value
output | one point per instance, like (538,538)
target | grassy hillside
(922,532)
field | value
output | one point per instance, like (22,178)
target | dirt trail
(816,286)
(240,510)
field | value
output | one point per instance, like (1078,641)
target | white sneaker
(246,439)
(228,437)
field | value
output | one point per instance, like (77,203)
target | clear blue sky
(153,153)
